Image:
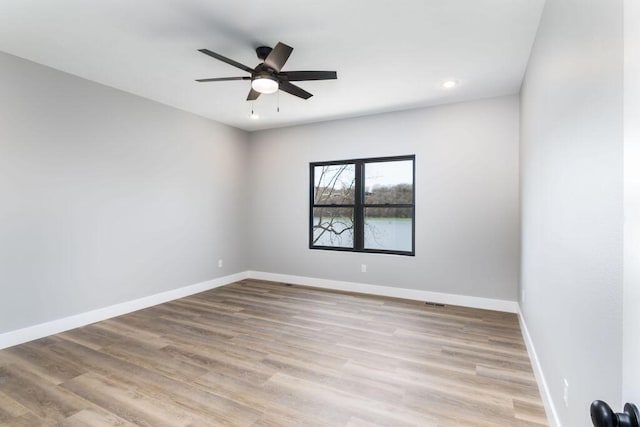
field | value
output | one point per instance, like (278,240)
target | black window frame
(359,204)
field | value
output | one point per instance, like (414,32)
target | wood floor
(264,354)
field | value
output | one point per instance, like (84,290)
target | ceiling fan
(268,77)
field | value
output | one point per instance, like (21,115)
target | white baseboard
(413,294)
(550,408)
(30,333)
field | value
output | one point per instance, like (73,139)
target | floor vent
(434,304)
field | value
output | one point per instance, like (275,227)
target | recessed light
(450,84)
(254,116)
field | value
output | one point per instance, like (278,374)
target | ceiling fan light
(264,84)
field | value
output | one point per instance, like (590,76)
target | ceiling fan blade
(298,76)
(278,56)
(227,60)
(253,95)
(223,79)
(294,90)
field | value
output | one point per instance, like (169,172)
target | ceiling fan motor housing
(263,69)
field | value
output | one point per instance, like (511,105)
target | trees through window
(363,205)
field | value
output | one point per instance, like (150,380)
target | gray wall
(106,197)
(467,218)
(572,200)
(631,293)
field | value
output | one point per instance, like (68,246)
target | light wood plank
(265,354)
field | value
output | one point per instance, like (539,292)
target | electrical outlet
(565,393)
(364,268)
(220,263)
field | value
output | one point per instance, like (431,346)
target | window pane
(388,182)
(333,227)
(334,184)
(388,228)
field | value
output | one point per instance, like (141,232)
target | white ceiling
(389,55)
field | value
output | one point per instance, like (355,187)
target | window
(363,205)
